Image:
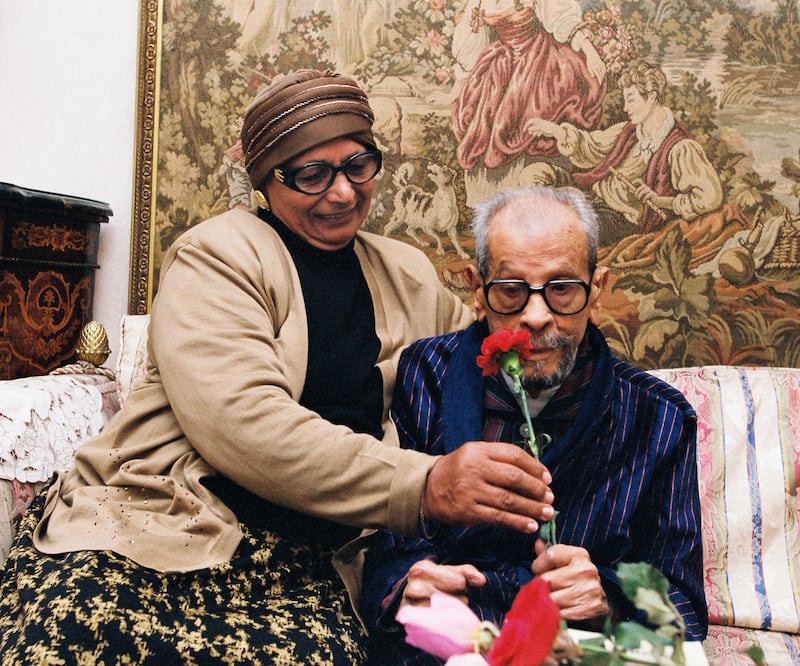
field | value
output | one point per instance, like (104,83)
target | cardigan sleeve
(415,413)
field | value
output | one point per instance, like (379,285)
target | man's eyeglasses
(316,177)
(562,297)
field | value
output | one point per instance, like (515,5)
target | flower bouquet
(613,41)
(532,630)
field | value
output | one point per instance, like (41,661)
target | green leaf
(640,574)
(637,282)
(548,530)
(653,604)
(601,659)
(629,635)
(756,654)
(648,589)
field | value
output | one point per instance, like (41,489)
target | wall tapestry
(697,183)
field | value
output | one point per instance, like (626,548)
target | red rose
(499,343)
(530,627)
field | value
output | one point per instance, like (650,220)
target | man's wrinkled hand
(426,577)
(574,581)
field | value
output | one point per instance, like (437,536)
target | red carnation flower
(495,351)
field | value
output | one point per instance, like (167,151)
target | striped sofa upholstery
(749,467)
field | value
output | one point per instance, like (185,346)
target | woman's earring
(261,200)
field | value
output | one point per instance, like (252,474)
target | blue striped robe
(622,461)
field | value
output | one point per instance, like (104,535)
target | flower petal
(445,628)
(529,629)
(521,343)
(488,364)
(498,344)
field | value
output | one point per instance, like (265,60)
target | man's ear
(473,281)
(599,281)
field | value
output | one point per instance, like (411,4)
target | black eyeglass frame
(587,288)
(288,177)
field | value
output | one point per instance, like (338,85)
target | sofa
(748,461)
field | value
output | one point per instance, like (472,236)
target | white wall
(67,113)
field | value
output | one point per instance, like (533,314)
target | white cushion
(132,356)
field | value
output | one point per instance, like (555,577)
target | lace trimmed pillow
(43,420)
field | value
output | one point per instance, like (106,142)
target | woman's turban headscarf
(299,111)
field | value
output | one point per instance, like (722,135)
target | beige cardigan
(227,363)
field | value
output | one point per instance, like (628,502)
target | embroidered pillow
(44,419)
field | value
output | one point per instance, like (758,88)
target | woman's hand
(489,483)
(594,63)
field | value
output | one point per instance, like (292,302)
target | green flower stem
(534,447)
(514,370)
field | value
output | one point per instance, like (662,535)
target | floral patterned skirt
(279,601)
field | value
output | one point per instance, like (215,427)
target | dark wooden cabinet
(48,256)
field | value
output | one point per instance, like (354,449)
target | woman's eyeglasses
(316,177)
(562,297)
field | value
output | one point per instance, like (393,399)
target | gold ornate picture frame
(458,89)
(140,290)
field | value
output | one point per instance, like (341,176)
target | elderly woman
(200,525)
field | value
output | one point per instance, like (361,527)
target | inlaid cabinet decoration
(48,256)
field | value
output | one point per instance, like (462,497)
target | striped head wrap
(298,111)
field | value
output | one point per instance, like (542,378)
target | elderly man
(621,449)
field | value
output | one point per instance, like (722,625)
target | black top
(342,383)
